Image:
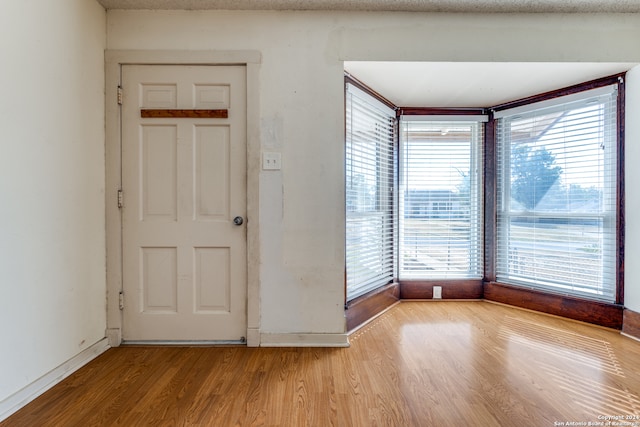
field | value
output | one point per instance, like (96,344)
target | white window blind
(556,219)
(370,139)
(441,168)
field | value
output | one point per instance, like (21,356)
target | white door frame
(114,59)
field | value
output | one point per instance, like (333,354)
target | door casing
(114,60)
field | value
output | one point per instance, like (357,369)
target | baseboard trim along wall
(595,312)
(631,323)
(21,398)
(303,340)
(369,305)
(469,289)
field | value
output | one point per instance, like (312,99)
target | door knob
(238,220)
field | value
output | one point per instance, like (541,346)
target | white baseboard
(21,398)
(303,340)
(114,337)
(253,337)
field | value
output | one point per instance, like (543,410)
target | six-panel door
(184,182)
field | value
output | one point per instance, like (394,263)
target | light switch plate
(271,161)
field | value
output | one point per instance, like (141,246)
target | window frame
(476,197)
(386,181)
(509,210)
(491,207)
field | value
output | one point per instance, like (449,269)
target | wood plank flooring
(419,364)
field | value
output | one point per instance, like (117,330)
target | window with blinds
(556,191)
(370,140)
(440,204)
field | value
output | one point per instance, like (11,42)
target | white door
(184,183)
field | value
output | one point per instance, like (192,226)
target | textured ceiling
(482,6)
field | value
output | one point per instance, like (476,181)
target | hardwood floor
(419,364)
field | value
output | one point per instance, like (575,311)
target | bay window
(505,203)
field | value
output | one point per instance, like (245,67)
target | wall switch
(437,292)
(271,161)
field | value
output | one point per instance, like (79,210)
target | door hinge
(121,300)
(120,199)
(119,95)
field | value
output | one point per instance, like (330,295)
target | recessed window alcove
(494,181)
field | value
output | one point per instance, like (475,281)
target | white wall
(632,201)
(301,208)
(52,239)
